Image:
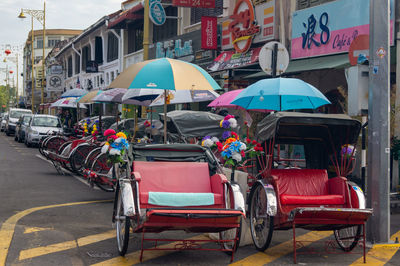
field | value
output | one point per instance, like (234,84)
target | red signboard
(194,3)
(360,45)
(208,33)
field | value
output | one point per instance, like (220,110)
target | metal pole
(44,43)
(16,91)
(378,123)
(146,31)
(33,62)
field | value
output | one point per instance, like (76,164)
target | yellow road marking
(29,230)
(134,257)
(8,227)
(380,254)
(83,241)
(282,249)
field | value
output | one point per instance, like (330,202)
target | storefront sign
(194,3)
(209,33)
(175,49)
(186,47)
(56,69)
(331,28)
(55,83)
(157,12)
(249,24)
(230,59)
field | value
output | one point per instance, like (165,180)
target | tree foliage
(5,97)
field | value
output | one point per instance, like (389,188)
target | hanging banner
(194,3)
(209,33)
(231,59)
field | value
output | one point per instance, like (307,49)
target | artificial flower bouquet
(116,145)
(233,151)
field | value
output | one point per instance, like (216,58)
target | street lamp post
(39,15)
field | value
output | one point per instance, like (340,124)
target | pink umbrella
(224,101)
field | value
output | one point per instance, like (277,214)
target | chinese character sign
(209,33)
(330,28)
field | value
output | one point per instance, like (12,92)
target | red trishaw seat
(307,187)
(176,178)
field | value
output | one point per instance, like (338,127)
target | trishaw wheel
(231,234)
(347,238)
(123,226)
(261,224)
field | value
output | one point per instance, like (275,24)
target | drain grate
(95,254)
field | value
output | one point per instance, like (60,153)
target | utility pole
(378,122)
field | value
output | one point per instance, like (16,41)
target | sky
(60,14)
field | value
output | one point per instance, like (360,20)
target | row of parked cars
(27,127)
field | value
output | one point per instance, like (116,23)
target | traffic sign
(266,58)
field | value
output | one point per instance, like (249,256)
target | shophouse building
(52,38)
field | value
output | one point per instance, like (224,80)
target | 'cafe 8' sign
(309,37)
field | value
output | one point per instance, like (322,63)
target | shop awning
(325,62)
(127,15)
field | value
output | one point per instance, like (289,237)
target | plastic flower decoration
(147,123)
(347,151)
(116,145)
(229,122)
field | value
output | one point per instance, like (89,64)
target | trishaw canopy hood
(336,129)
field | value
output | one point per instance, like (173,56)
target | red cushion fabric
(312,200)
(301,181)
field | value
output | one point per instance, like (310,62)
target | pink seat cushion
(312,200)
(177,177)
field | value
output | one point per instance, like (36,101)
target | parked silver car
(20,129)
(13,115)
(3,121)
(40,127)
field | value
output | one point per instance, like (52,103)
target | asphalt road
(52,219)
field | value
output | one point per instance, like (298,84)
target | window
(135,37)
(85,56)
(52,42)
(98,50)
(70,66)
(197,13)
(289,155)
(112,76)
(77,64)
(112,48)
(169,28)
(302,4)
(39,43)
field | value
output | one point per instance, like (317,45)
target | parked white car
(40,127)
(13,116)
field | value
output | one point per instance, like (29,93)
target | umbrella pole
(151,121)
(136,126)
(165,116)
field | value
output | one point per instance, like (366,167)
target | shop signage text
(243,26)
(230,59)
(194,3)
(248,25)
(174,49)
(209,33)
(330,28)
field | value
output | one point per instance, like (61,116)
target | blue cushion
(181,199)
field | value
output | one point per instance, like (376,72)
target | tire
(15,137)
(77,158)
(261,227)
(91,157)
(122,226)
(102,166)
(7,133)
(20,139)
(347,238)
(27,143)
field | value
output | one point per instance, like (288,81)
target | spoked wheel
(231,233)
(77,159)
(101,166)
(122,226)
(53,143)
(261,224)
(347,238)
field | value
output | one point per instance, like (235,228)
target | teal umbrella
(280,94)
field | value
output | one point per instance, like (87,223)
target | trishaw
(184,126)
(175,187)
(302,182)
